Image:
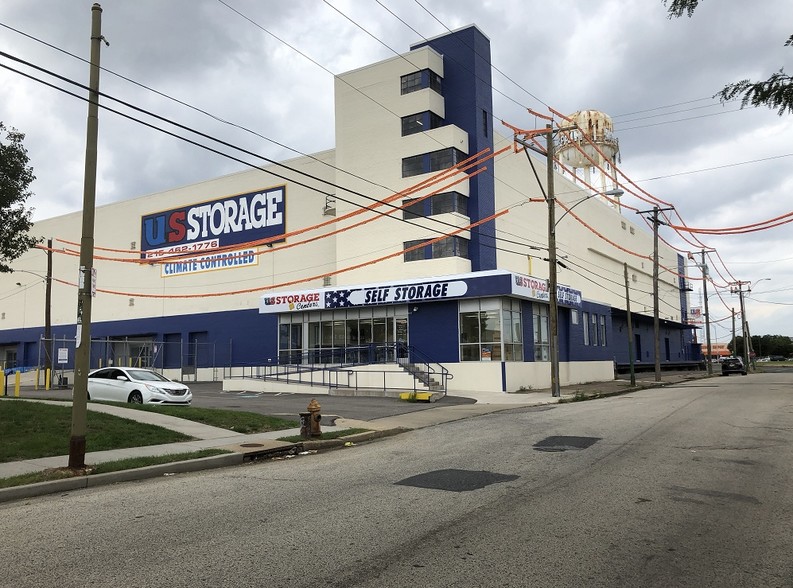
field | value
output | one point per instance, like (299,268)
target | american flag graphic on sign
(337,299)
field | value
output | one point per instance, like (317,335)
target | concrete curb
(309,445)
(93,480)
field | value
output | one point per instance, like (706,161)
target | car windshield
(147,376)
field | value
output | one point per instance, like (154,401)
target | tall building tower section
(401,120)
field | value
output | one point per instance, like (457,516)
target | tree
(15,177)
(775,92)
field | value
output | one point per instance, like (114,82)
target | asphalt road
(685,486)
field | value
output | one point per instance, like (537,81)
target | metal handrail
(332,362)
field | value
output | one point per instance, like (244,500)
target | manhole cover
(565,442)
(251,445)
(455,480)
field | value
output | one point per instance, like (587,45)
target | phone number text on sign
(182,249)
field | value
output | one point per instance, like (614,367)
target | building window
(412,166)
(593,331)
(585,323)
(574,316)
(437,204)
(436,81)
(421,121)
(512,329)
(542,347)
(603,330)
(431,162)
(411,82)
(416,254)
(448,247)
(484,123)
(418,80)
(481,330)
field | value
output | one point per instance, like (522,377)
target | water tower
(600,130)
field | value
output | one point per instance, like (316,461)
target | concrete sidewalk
(247,447)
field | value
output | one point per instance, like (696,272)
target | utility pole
(737,288)
(707,314)
(734,341)
(82,359)
(552,285)
(630,325)
(656,321)
(48,313)
(550,198)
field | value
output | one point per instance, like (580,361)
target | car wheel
(135,398)
(743,373)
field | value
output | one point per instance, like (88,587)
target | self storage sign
(199,228)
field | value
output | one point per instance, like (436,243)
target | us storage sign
(201,228)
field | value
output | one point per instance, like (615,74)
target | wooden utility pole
(656,320)
(82,359)
(737,288)
(707,314)
(552,280)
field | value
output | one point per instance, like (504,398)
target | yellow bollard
(36,385)
(17,378)
(47,379)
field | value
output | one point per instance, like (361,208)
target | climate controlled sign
(200,228)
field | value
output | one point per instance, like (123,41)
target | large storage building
(378,252)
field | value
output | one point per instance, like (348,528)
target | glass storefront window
(490,330)
(542,348)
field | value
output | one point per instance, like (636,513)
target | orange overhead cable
(759,226)
(463,166)
(617,170)
(316,277)
(698,243)
(173,258)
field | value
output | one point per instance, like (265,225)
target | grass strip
(30,430)
(105,468)
(233,420)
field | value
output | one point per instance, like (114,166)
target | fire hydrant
(309,421)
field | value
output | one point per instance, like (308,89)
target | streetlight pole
(631,359)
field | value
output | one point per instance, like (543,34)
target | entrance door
(10,358)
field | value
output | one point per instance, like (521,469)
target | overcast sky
(272,73)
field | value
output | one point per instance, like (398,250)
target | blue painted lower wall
(246,337)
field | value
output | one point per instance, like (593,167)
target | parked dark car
(732,365)
(777,358)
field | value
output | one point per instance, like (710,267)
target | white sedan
(136,385)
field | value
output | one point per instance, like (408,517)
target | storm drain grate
(565,443)
(455,480)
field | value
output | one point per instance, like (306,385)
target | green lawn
(233,420)
(32,429)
